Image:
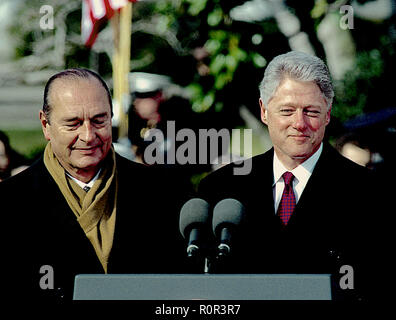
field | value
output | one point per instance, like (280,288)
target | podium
(202,287)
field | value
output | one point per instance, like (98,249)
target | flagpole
(122,23)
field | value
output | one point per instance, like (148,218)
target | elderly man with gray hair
(81,208)
(308,209)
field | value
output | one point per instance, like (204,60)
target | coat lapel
(259,190)
(62,221)
(315,193)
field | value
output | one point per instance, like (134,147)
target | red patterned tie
(288,201)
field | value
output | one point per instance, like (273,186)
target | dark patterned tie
(288,201)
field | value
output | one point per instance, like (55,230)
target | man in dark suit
(82,208)
(308,209)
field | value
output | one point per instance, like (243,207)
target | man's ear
(328,116)
(44,125)
(263,112)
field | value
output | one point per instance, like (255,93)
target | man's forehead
(289,90)
(74,115)
(77,91)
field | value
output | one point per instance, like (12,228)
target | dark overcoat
(39,229)
(337,220)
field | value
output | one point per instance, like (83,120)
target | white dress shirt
(83,185)
(301,173)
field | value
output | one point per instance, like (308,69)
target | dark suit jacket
(333,223)
(42,230)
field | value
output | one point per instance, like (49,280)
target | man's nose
(299,121)
(87,133)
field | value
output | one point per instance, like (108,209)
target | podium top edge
(242,275)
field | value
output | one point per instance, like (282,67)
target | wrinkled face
(79,127)
(296,116)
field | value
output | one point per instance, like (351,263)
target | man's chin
(301,154)
(87,164)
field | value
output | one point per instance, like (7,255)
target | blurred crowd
(11,162)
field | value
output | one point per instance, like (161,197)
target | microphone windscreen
(227,211)
(194,211)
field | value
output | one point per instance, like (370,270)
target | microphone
(227,215)
(194,217)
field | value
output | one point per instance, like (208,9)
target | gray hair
(297,66)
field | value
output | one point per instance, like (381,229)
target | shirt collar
(301,172)
(83,184)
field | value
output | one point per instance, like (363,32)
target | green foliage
(319,9)
(196,6)
(196,179)
(199,45)
(48,48)
(30,143)
(206,25)
(352,92)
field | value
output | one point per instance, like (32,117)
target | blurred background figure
(154,101)
(11,162)
(372,134)
(147,95)
(352,147)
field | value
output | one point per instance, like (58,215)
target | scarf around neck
(95,210)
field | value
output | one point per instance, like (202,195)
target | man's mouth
(299,137)
(87,149)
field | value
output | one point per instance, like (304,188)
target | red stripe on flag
(94,14)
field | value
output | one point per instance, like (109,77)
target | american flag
(94,14)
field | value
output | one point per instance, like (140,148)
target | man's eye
(99,122)
(73,125)
(312,113)
(286,110)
